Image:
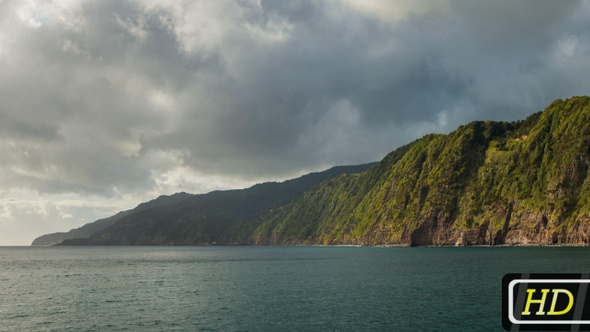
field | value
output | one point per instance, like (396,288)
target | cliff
(487,183)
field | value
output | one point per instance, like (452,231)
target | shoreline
(306,245)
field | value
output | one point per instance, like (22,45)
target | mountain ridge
(90,228)
(215,204)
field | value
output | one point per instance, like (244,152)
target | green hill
(222,217)
(93,227)
(485,183)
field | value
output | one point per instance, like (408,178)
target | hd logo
(545,302)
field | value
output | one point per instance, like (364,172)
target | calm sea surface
(264,288)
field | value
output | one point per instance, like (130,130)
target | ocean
(265,288)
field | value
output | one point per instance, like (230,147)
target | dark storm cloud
(123,96)
(343,86)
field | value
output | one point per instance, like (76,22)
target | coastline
(310,245)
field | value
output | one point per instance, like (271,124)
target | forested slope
(485,183)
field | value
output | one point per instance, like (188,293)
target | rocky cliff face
(487,183)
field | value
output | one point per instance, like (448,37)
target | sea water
(265,288)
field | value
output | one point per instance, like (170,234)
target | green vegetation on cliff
(485,183)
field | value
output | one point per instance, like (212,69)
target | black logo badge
(546,302)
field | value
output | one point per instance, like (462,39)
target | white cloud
(35,13)
(395,11)
(25,215)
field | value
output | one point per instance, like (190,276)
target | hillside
(223,217)
(486,183)
(93,227)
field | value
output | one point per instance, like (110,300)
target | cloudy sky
(108,103)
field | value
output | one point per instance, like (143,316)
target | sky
(105,104)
